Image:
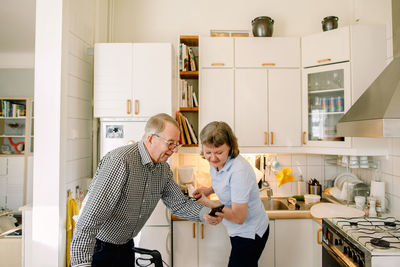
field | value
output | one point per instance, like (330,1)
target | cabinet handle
(272,138)
(268,64)
(194,230)
(318,240)
(128,106)
(304,138)
(217,64)
(324,60)
(136,107)
(265,138)
(202,231)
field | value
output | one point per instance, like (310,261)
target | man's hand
(214,220)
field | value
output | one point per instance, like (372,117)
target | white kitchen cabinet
(184,243)
(216,96)
(293,243)
(149,234)
(132,79)
(280,52)
(317,244)
(338,66)
(12,182)
(326,97)
(214,246)
(326,47)
(271,99)
(216,52)
(267,258)
(199,244)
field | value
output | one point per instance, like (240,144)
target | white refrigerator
(156,234)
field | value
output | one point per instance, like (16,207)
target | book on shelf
(12,109)
(188,97)
(188,136)
(192,134)
(192,59)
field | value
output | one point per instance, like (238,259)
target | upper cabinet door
(216,52)
(326,47)
(216,96)
(112,79)
(282,52)
(152,79)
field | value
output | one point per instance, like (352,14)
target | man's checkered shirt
(123,194)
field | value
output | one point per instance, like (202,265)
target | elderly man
(128,183)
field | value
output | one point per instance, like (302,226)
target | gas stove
(371,242)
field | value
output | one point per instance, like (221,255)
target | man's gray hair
(156,124)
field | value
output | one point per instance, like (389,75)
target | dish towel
(72,210)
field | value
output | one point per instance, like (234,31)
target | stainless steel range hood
(377,112)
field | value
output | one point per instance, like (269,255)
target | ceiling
(17,26)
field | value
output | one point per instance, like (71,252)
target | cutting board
(330,210)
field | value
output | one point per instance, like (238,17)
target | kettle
(314,187)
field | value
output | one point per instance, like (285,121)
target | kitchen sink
(274,204)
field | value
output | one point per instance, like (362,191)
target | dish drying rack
(337,160)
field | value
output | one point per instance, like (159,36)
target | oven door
(333,257)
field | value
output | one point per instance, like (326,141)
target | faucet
(267,188)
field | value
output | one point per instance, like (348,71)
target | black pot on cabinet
(262,26)
(329,23)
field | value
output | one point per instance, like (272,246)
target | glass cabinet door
(327,96)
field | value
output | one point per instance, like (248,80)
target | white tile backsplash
(314,160)
(299,159)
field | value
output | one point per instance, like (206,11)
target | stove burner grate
(380,243)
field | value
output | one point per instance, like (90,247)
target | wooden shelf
(194,109)
(193,145)
(189,74)
(190,40)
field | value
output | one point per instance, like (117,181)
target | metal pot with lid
(262,26)
(329,23)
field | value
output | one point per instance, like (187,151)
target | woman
(234,182)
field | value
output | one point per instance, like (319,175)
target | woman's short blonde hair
(156,124)
(218,133)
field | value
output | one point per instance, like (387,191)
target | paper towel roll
(378,191)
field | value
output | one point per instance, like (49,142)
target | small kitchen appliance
(362,241)
(187,180)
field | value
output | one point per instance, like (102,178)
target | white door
(216,96)
(216,52)
(152,79)
(15,183)
(326,47)
(294,243)
(267,258)
(161,216)
(119,133)
(322,86)
(185,243)
(251,100)
(156,238)
(214,246)
(282,52)
(284,102)
(112,79)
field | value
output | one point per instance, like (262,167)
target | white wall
(16,82)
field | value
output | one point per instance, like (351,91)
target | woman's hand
(214,220)
(205,191)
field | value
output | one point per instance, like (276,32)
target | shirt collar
(144,154)
(227,165)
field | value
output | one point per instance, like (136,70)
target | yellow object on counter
(284,176)
(72,209)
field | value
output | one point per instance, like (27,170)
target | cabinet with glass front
(327,98)
(16,126)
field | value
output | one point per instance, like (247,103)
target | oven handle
(338,256)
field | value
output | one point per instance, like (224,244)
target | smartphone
(216,209)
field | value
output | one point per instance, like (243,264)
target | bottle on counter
(372,207)
(301,186)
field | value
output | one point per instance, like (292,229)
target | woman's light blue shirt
(236,182)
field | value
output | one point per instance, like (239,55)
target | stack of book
(188,98)
(187,61)
(188,136)
(12,109)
